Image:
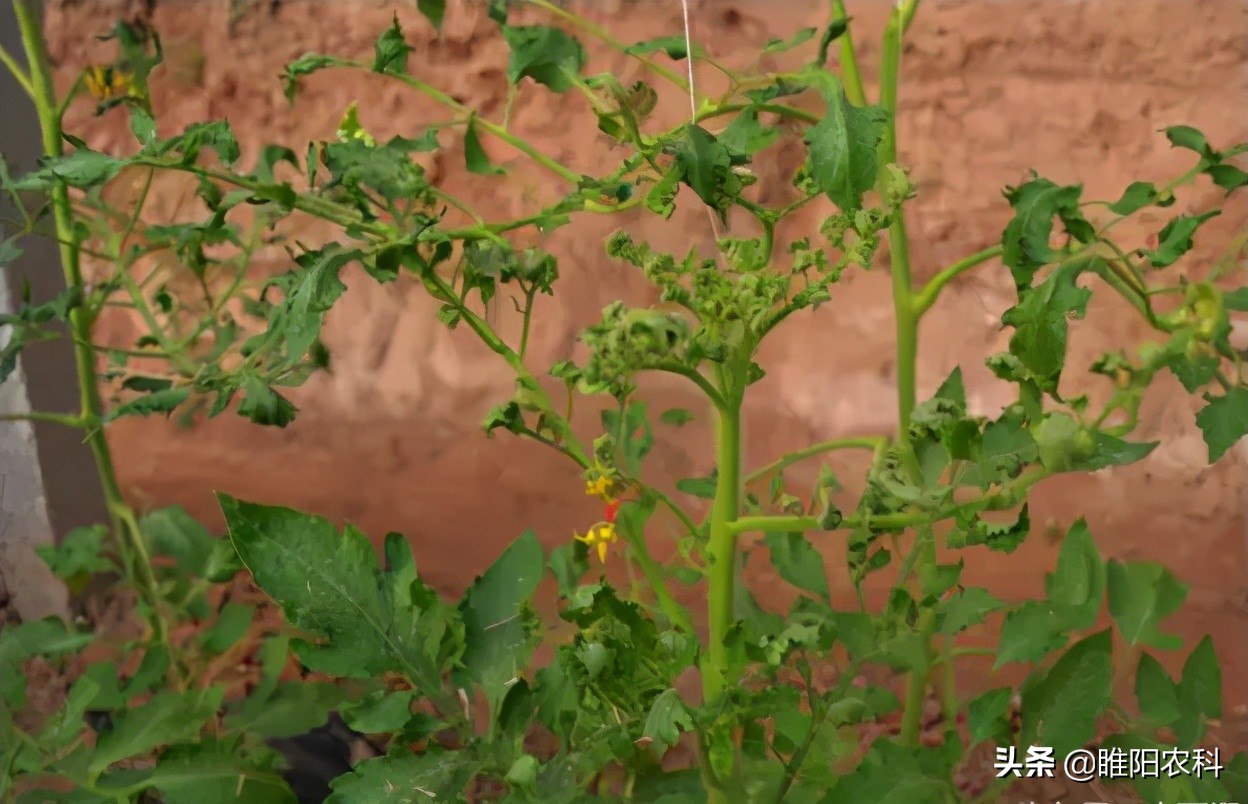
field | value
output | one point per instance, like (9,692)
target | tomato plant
(451,688)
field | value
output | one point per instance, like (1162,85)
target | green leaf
(1200,692)
(1076,587)
(1189,138)
(1158,696)
(232,622)
(1228,177)
(390,51)
(1025,240)
(897,774)
(174,533)
(668,717)
(406,779)
(702,487)
(746,136)
(498,637)
(434,11)
(1041,321)
(142,125)
(1175,238)
(834,31)
(799,563)
(1029,633)
(292,709)
(705,164)
(1061,706)
(193,775)
(569,563)
(987,716)
(776,45)
(967,608)
(673,46)
(676,417)
(80,553)
(1224,420)
(381,711)
(547,55)
(1141,595)
(157,402)
(1139,194)
(169,717)
(18,643)
(330,586)
(216,136)
(262,405)
(9,252)
(82,169)
(474,155)
(842,146)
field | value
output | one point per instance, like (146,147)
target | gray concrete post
(50,484)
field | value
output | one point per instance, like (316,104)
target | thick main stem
(907,314)
(80,322)
(722,549)
(721,576)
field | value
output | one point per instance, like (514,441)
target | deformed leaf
(673,46)
(165,401)
(668,717)
(842,146)
(547,55)
(434,11)
(262,405)
(1224,420)
(799,563)
(474,155)
(390,51)
(1189,138)
(1175,238)
(1138,195)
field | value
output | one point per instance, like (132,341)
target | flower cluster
(602,534)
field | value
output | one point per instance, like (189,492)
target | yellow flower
(600,536)
(600,486)
(107,82)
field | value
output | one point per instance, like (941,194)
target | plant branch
(19,75)
(852,78)
(866,442)
(925,298)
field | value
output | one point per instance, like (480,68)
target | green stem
(653,573)
(916,685)
(925,298)
(494,128)
(774,524)
(66,419)
(866,442)
(81,323)
(19,75)
(850,76)
(722,549)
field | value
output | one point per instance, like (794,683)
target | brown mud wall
(390,439)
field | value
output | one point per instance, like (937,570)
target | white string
(693,102)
